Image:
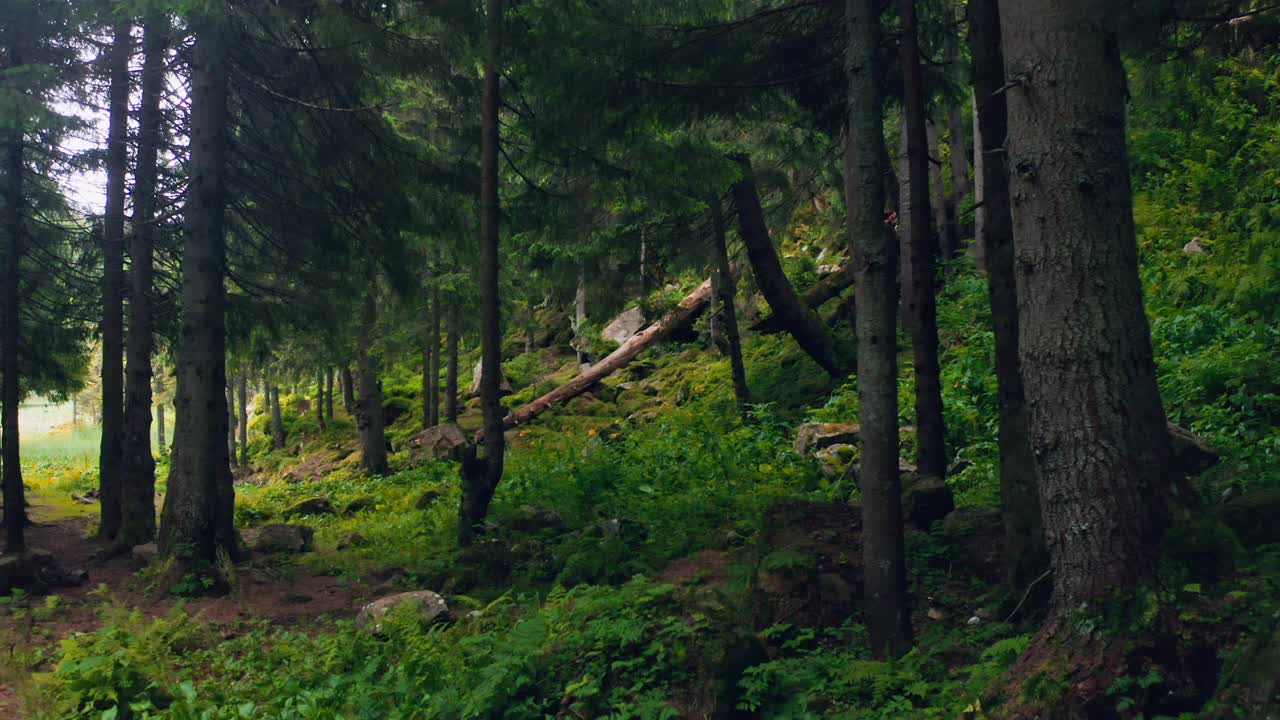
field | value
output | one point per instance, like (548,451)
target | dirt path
(268,588)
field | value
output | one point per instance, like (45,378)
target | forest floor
(268,589)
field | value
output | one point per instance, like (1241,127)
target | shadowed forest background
(615,359)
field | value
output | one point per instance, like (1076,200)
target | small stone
(974,620)
(76,578)
(936,614)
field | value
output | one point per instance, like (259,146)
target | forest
(708,359)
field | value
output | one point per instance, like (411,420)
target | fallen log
(684,313)
(815,297)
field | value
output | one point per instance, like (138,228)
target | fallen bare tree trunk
(815,297)
(688,310)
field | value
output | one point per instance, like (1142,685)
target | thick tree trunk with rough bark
(728,289)
(1097,424)
(138,503)
(348,391)
(1026,555)
(110,457)
(369,419)
(688,309)
(875,254)
(196,523)
(803,324)
(931,455)
(451,369)
(481,475)
(10,330)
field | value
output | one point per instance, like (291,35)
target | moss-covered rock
(309,506)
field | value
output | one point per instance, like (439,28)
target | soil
(267,588)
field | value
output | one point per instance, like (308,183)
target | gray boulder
(812,437)
(284,538)
(625,326)
(432,606)
(504,385)
(437,443)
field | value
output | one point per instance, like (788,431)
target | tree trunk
(328,392)
(451,369)
(727,291)
(369,419)
(10,330)
(138,497)
(944,210)
(232,419)
(242,389)
(348,391)
(921,304)
(110,458)
(815,297)
(1098,428)
(278,437)
(580,317)
(480,475)
(160,430)
(1025,552)
(979,190)
(433,342)
(196,522)
(959,157)
(688,309)
(320,402)
(875,254)
(803,324)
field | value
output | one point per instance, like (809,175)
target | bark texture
(10,328)
(875,253)
(232,422)
(803,324)
(1026,555)
(369,419)
(348,390)
(1097,424)
(110,457)
(278,437)
(480,475)
(921,304)
(727,290)
(451,369)
(138,504)
(320,403)
(242,390)
(328,392)
(196,523)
